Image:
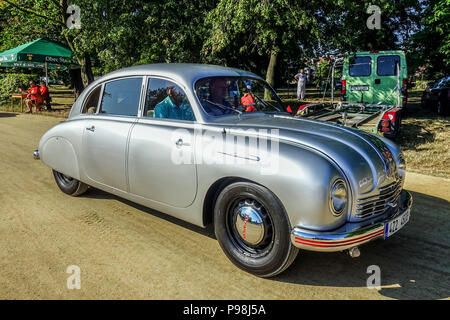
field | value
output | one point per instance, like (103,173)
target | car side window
(166,100)
(91,103)
(121,97)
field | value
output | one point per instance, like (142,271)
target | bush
(10,82)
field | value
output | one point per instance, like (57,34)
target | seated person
(33,97)
(175,106)
(43,89)
(218,91)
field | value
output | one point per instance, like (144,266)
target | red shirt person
(248,101)
(43,90)
(34,96)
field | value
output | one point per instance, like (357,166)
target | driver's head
(174,95)
(218,89)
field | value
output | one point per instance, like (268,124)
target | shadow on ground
(411,261)
(7,115)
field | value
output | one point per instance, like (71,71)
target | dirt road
(126,251)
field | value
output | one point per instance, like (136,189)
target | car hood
(367,160)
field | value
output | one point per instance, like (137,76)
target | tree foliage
(268,37)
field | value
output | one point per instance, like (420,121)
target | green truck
(373,93)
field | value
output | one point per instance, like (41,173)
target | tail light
(405,87)
(385,125)
(343,88)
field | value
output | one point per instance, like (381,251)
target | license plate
(396,224)
(359,88)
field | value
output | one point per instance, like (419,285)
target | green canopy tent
(40,53)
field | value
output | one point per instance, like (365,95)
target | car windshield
(236,95)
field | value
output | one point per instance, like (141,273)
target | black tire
(69,185)
(274,252)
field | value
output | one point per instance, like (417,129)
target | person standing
(301,84)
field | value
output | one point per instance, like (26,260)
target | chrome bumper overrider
(350,234)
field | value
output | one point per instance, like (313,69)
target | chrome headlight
(338,197)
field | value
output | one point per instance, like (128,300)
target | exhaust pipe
(354,252)
(36,154)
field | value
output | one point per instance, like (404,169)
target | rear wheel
(253,229)
(69,185)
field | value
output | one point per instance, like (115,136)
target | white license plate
(396,224)
(359,88)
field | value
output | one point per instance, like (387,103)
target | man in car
(216,105)
(175,106)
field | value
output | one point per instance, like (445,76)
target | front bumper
(351,234)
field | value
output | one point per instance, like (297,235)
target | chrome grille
(370,206)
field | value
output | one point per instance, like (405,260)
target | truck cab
(375,77)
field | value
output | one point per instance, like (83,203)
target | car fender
(57,149)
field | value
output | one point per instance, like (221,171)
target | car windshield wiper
(223,107)
(267,104)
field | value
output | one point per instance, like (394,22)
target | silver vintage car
(210,144)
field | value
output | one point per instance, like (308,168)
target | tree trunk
(75,77)
(84,59)
(86,69)
(270,75)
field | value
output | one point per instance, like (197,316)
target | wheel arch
(213,192)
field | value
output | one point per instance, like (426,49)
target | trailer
(374,118)
(369,90)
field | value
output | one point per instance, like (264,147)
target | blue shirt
(168,110)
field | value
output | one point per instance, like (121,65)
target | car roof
(186,73)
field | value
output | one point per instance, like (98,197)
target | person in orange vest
(248,101)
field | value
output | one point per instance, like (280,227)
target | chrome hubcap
(249,225)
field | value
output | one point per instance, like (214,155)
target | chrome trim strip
(350,235)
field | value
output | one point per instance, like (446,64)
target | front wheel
(253,229)
(69,185)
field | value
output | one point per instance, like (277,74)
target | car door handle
(92,128)
(180,143)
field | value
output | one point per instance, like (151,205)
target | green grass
(62,100)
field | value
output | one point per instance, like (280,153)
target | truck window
(387,65)
(360,67)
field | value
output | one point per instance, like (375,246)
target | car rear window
(361,67)
(121,97)
(387,65)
